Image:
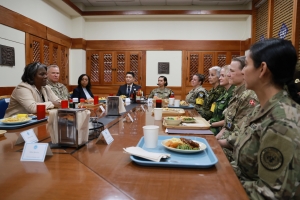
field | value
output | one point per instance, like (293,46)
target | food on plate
(16,118)
(123,96)
(101,98)
(182,143)
(173,142)
(188,119)
(183,103)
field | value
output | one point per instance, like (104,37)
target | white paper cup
(171,101)
(150,135)
(158,113)
(177,103)
(127,100)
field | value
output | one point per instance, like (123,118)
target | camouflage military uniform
(59,90)
(161,93)
(221,104)
(240,105)
(194,95)
(267,151)
(212,96)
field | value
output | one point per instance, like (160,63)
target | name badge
(106,135)
(35,152)
(213,106)
(199,101)
(102,108)
(27,136)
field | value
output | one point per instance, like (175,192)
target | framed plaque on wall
(7,56)
(163,68)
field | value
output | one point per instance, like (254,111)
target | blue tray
(16,126)
(203,159)
(190,106)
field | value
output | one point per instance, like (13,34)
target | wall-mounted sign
(163,68)
(7,56)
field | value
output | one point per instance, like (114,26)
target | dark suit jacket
(123,89)
(79,93)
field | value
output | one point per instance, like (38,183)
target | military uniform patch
(252,102)
(271,158)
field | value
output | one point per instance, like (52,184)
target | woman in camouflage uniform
(222,101)
(267,150)
(197,95)
(213,94)
(161,92)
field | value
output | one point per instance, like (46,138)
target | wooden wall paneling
(208,60)
(93,67)
(6,90)
(46,52)
(78,43)
(36,50)
(253,17)
(58,38)
(261,22)
(135,62)
(184,71)
(221,59)
(143,70)
(296,24)
(22,23)
(193,64)
(121,66)
(137,45)
(27,48)
(107,65)
(270,18)
(64,63)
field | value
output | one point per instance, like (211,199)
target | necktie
(128,90)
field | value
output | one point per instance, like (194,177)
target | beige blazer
(24,98)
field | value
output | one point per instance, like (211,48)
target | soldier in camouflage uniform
(222,101)
(197,95)
(59,89)
(267,150)
(242,102)
(161,92)
(206,110)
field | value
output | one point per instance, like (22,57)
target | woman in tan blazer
(32,90)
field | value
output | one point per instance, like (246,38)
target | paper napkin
(137,151)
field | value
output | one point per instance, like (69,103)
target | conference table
(101,171)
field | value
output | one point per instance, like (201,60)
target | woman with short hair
(217,120)
(209,104)
(32,90)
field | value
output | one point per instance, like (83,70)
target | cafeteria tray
(16,126)
(202,159)
(200,124)
(190,106)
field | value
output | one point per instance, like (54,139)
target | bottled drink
(155,96)
(172,95)
(134,96)
(75,102)
(71,104)
(138,96)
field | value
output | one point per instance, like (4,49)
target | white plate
(202,147)
(17,122)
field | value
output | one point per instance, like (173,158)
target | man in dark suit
(129,87)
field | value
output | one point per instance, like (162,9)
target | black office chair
(3,105)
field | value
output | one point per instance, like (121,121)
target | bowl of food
(172,120)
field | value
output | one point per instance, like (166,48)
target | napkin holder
(67,127)
(112,105)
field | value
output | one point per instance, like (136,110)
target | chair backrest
(4,101)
